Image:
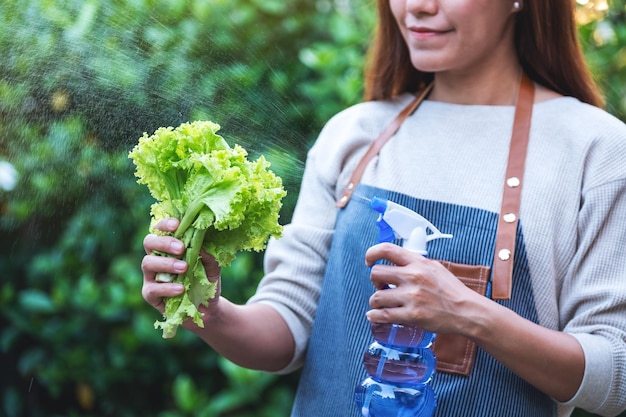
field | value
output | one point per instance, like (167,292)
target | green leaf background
(80,82)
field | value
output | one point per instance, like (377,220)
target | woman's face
(456,35)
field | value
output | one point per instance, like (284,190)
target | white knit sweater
(573,214)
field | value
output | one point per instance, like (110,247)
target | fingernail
(171,223)
(179,265)
(177,247)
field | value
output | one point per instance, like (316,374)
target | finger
(384,275)
(156,293)
(392,253)
(393,306)
(386,298)
(387,315)
(151,264)
(169,224)
(167,244)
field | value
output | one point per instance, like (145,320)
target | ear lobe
(517,6)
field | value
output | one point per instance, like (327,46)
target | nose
(422,7)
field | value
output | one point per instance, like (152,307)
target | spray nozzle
(396,221)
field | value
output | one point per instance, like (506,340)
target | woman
(551,333)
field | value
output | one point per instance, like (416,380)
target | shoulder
(578,126)
(369,115)
(358,125)
(346,137)
(590,134)
(570,114)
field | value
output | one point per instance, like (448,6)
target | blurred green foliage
(80,81)
(603,35)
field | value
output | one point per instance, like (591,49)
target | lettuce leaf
(225,204)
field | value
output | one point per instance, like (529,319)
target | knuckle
(145,263)
(147,292)
(377,300)
(373,301)
(414,293)
(385,314)
(387,248)
(168,224)
(150,242)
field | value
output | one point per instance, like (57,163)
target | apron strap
(511,197)
(377,145)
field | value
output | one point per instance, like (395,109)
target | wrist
(481,319)
(211,316)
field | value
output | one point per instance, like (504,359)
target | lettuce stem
(193,250)
(190,215)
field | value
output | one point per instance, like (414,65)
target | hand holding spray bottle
(400,362)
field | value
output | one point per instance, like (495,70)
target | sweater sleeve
(295,264)
(593,298)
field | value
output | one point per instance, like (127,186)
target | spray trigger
(398,222)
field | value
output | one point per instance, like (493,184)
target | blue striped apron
(341,333)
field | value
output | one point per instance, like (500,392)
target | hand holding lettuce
(225,204)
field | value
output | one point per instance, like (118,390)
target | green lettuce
(225,204)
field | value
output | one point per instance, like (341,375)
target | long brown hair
(546,40)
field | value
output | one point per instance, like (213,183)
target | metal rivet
(513,182)
(509,217)
(504,254)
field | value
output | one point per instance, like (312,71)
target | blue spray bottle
(400,362)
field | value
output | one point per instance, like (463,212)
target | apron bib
(333,366)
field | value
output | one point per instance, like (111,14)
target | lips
(425,32)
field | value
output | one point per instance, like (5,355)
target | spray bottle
(399,362)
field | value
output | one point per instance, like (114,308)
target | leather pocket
(455,353)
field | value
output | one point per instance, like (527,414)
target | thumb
(213,269)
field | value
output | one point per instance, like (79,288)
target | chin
(429,64)
(424,67)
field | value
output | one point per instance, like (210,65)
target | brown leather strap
(376,146)
(502,272)
(511,197)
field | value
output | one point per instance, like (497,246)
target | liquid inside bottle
(409,365)
(378,399)
(402,335)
